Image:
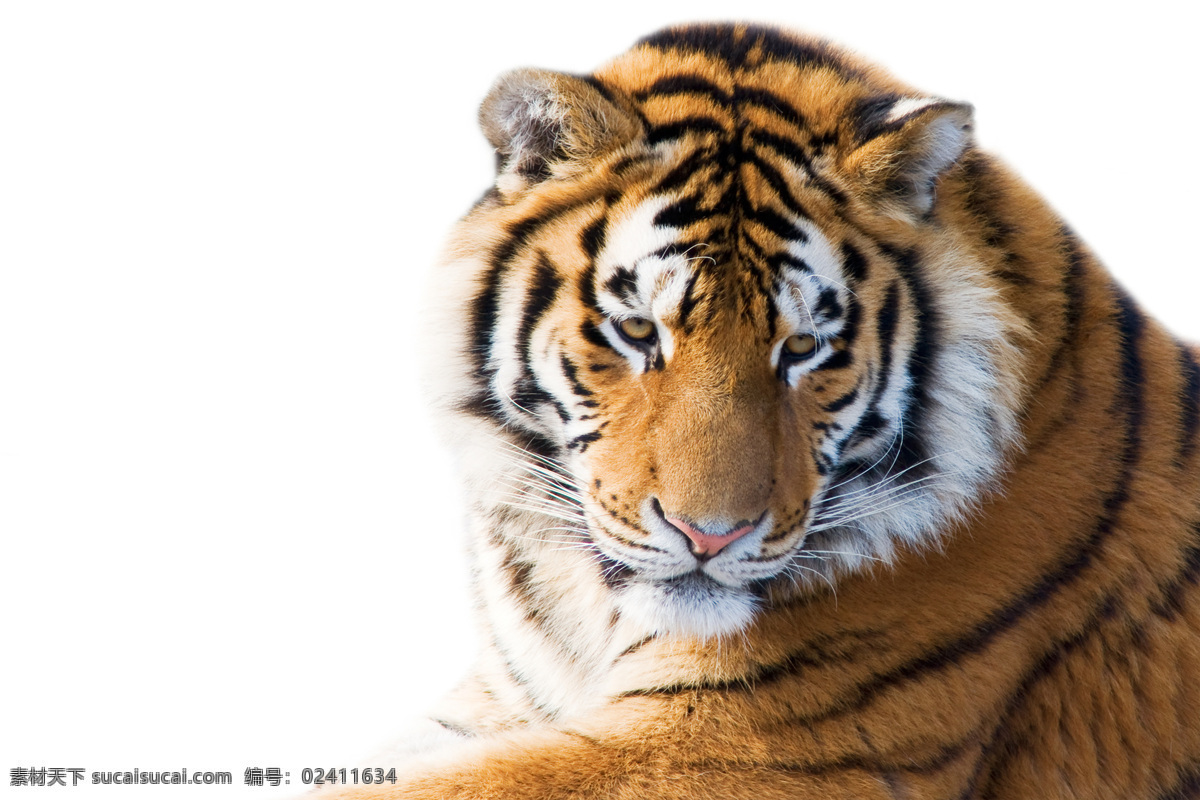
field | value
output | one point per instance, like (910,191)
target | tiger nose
(707,544)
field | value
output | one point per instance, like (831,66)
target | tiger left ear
(905,144)
(545,122)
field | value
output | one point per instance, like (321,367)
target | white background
(228,536)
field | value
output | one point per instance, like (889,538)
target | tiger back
(808,454)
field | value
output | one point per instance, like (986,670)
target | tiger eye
(637,328)
(800,344)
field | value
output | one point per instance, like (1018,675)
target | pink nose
(709,544)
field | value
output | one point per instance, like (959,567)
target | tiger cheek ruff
(808,454)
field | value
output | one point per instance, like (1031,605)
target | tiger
(807,453)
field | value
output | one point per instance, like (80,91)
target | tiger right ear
(905,145)
(542,123)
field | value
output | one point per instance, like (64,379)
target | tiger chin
(807,453)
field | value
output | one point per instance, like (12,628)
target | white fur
(908,106)
(662,282)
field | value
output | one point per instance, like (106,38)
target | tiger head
(718,327)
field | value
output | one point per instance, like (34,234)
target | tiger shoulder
(808,454)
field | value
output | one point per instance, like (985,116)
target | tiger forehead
(649,268)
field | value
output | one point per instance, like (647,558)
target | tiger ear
(542,122)
(905,144)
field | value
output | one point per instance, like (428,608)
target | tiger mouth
(703,574)
(691,604)
(695,585)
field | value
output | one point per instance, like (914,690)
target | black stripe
(853,263)
(1169,603)
(880,763)
(782,191)
(539,445)
(684,84)
(1187,784)
(683,212)
(528,394)
(614,574)
(790,149)
(768,100)
(872,422)
(913,458)
(482,404)
(582,441)
(591,333)
(636,646)
(985,202)
(541,294)
(828,306)
(780,47)
(486,304)
(572,373)
(876,763)
(683,127)
(1189,406)
(679,174)
(624,539)
(688,304)
(1131,325)
(592,237)
(777,224)
(518,576)
(720,41)
(626,163)
(1073,299)
(587,288)
(794,152)
(839,360)
(841,402)
(622,284)
(732,44)
(782,259)
(849,331)
(869,116)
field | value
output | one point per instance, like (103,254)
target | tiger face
(705,357)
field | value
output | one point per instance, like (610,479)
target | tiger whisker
(897,437)
(877,490)
(865,513)
(887,478)
(820,554)
(539,510)
(799,569)
(552,493)
(554,466)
